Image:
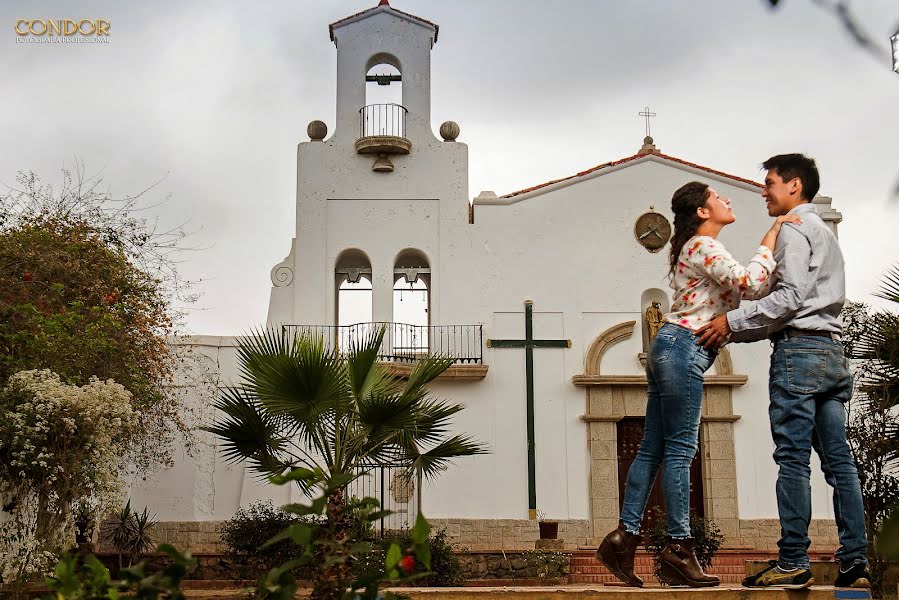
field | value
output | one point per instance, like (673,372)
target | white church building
(539,294)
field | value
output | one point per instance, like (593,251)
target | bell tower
(381,198)
(383,36)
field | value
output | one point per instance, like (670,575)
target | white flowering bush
(61,451)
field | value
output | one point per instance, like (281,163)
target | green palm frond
(433,419)
(294,376)
(249,432)
(438,458)
(424,372)
(364,374)
(889,288)
(378,412)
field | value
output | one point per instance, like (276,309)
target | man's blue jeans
(674,370)
(809,382)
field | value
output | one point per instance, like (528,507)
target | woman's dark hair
(684,203)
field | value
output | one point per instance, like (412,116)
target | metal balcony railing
(382,120)
(403,342)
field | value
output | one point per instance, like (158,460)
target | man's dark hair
(791,166)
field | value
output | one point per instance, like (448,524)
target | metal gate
(396,492)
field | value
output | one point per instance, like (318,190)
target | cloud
(216,99)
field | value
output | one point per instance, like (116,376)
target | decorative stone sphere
(449,131)
(317,130)
(647,140)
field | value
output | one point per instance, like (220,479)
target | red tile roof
(629,159)
(387,4)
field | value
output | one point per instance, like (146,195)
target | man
(810,379)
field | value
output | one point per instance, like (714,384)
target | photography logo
(62,31)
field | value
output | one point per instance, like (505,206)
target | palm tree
(300,405)
(878,346)
(875,431)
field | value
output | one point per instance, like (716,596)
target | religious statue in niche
(654,320)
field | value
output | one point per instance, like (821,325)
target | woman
(707,282)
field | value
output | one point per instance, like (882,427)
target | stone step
(729,564)
(586,569)
(574,592)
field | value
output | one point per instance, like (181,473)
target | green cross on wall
(529,343)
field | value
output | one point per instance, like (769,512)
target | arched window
(352,278)
(383,113)
(411,304)
(383,84)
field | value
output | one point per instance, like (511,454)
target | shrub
(249,529)
(446,569)
(61,454)
(246,533)
(705,533)
(87,291)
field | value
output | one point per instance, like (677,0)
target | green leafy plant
(330,553)
(445,568)
(705,533)
(129,532)
(87,579)
(547,563)
(871,339)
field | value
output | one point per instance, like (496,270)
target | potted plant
(129,532)
(549,530)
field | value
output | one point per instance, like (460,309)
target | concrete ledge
(460,372)
(586,593)
(751,536)
(640,380)
(383,144)
(620,593)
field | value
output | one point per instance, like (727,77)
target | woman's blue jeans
(674,370)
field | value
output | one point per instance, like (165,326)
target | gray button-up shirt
(809,286)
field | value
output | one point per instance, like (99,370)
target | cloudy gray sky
(213,97)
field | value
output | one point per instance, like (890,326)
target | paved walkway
(578,592)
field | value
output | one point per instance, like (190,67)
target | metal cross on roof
(645,113)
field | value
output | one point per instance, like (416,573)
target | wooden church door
(630,433)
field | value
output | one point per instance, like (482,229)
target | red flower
(407,563)
(26,276)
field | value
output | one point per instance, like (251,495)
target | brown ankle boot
(679,566)
(617,551)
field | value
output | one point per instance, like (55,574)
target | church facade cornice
(383,7)
(611,167)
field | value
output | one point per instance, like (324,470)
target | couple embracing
(797,280)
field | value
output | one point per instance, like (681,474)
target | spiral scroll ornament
(282,275)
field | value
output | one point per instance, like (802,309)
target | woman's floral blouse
(708,281)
